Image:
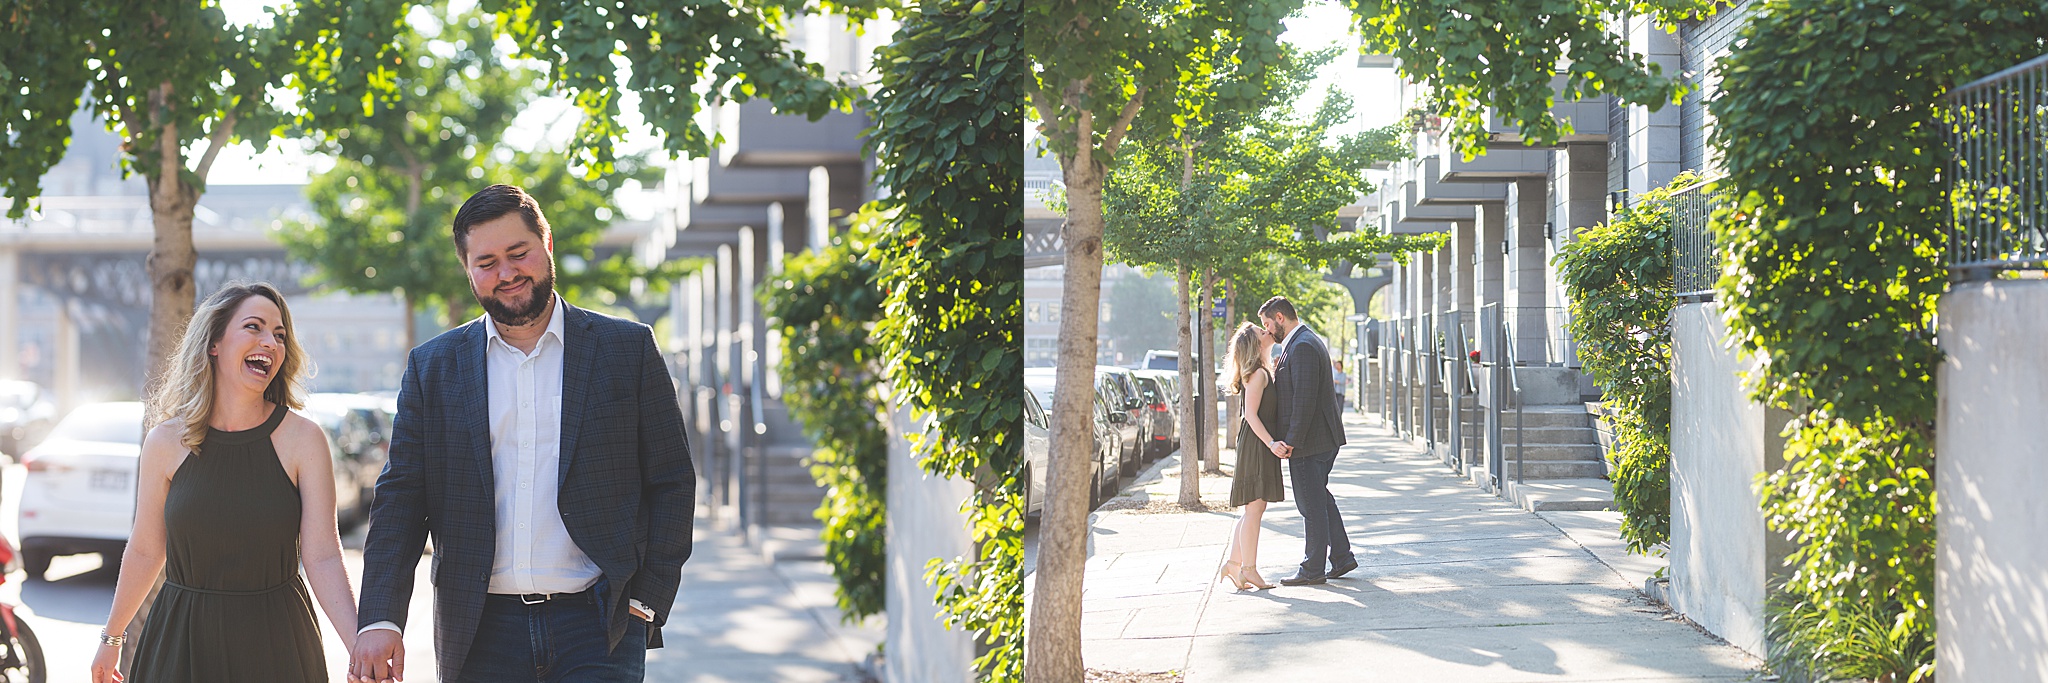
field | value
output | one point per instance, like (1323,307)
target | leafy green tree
(176,83)
(1094,66)
(384,209)
(1254,182)
(1502,56)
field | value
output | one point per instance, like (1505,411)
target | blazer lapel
(474,367)
(579,358)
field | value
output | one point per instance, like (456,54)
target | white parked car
(79,495)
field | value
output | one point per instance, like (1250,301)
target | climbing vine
(825,303)
(1618,280)
(948,136)
(1829,124)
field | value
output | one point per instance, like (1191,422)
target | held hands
(103,665)
(379,657)
(1280,448)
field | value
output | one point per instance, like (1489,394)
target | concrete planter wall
(1991,567)
(924,522)
(1723,559)
(1603,428)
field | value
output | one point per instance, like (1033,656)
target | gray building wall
(1722,557)
(1702,43)
(924,522)
(1991,567)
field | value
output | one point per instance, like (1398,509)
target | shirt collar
(1291,334)
(554,327)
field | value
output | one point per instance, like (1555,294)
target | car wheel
(35,562)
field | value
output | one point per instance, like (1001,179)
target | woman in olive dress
(1258,479)
(235,492)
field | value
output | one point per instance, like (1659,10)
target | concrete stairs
(791,492)
(1557,442)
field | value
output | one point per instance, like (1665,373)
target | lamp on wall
(1550,231)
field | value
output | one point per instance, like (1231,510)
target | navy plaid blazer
(628,491)
(1308,397)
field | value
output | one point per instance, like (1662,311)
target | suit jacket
(627,491)
(1309,420)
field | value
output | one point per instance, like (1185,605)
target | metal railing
(1694,263)
(1549,344)
(1998,175)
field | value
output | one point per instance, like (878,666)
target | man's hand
(379,657)
(1280,448)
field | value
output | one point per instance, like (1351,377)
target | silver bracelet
(115,641)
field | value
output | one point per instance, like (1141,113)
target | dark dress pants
(1322,525)
(558,641)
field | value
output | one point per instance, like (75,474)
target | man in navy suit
(541,448)
(1310,432)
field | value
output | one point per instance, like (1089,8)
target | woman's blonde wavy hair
(187,390)
(1244,358)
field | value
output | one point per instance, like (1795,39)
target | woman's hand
(103,664)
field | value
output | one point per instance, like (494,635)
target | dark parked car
(1120,389)
(1159,410)
(26,415)
(361,430)
(1109,440)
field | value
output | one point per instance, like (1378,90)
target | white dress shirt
(534,552)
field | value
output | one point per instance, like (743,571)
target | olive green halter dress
(232,609)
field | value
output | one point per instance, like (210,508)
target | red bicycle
(21,655)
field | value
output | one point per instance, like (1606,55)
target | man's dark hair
(492,202)
(1278,305)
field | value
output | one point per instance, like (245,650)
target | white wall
(1991,484)
(1721,554)
(924,522)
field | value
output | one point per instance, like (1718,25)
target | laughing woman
(235,492)
(1257,480)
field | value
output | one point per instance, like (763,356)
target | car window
(108,422)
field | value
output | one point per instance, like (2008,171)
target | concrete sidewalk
(1453,585)
(748,616)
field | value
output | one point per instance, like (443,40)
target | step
(1541,495)
(1539,416)
(1551,452)
(1556,469)
(1536,435)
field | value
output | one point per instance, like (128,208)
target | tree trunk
(171,295)
(1054,642)
(1211,457)
(1233,403)
(412,309)
(1190,450)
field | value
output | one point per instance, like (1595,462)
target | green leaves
(1829,124)
(1501,57)
(1618,284)
(825,304)
(948,256)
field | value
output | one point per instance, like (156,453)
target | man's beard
(541,297)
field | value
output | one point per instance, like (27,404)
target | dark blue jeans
(1322,525)
(559,641)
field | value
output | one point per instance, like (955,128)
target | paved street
(1453,585)
(739,617)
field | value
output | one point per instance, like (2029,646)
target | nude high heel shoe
(1231,572)
(1249,576)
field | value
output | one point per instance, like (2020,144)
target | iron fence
(1694,262)
(1998,174)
